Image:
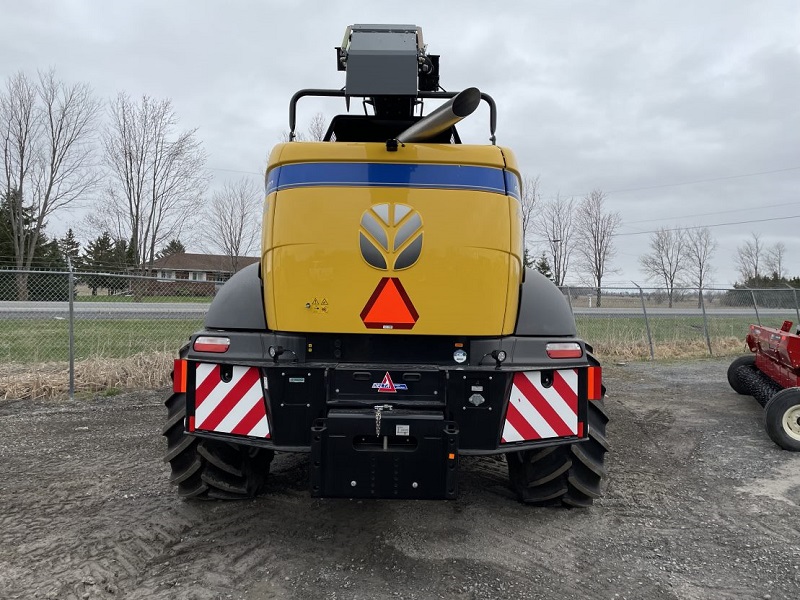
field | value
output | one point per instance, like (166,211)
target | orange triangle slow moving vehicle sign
(389,307)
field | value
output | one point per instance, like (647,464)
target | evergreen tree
(543,266)
(7,251)
(47,256)
(174,247)
(46,286)
(124,256)
(70,248)
(527,259)
(101,257)
(99,254)
(6,243)
(771,291)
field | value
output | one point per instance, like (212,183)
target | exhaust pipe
(448,114)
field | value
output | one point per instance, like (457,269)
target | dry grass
(48,380)
(638,349)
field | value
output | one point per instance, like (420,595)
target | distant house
(199,267)
(194,274)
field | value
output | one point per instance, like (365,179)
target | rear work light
(208,343)
(564,350)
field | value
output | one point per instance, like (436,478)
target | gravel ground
(699,504)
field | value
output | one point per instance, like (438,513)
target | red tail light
(564,350)
(208,343)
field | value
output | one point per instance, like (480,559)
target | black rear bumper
(299,389)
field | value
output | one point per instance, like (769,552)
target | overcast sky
(685,113)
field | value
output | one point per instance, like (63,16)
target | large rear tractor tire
(206,469)
(570,475)
(738,379)
(782,419)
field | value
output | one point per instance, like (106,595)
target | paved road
(679,312)
(197,310)
(104,310)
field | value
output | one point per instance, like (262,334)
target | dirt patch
(699,504)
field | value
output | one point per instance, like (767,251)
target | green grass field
(38,341)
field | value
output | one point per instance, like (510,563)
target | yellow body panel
(465,280)
(454,154)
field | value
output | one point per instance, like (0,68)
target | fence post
(755,305)
(71,279)
(796,307)
(705,322)
(646,321)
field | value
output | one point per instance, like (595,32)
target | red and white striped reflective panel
(536,412)
(236,407)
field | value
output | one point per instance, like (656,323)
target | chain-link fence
(640,323)
(93,331)
(101,331)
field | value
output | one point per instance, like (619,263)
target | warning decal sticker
(537,411)
(389,307)
(236,406)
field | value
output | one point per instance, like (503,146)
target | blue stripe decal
(513,187)
(452,177)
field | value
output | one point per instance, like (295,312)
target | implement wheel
(569,475)
(782,419)
(735,378)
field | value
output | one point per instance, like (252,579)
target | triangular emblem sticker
(387,385)
(389,307)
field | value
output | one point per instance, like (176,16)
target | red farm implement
(771,374)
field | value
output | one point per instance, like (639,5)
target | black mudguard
(543,309)
(239,304)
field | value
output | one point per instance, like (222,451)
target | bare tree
(47,131)
(775,258)
(233,220)
(700,247)
(556,222)
(317,128)
(529,198)
(157,176)
(667,259)
(595,231)
(749,257)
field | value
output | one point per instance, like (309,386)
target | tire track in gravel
(88,513)
(69,496)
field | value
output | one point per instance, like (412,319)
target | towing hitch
(384,453)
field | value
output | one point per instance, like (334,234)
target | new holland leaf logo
(390,236)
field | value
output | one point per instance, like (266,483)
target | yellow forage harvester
(390,326)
